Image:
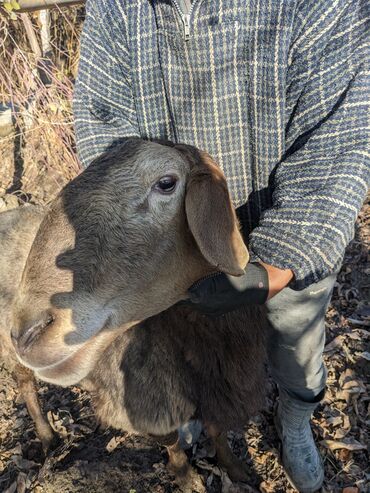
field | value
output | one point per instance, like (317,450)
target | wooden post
(31,5)
(31,35)
(6,114)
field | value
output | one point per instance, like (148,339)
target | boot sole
(291,482)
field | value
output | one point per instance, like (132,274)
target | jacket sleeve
(103,105)
(320,184)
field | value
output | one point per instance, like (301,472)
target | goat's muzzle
(24,337)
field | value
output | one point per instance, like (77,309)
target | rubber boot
(300,457)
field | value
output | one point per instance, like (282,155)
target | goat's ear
(212,219)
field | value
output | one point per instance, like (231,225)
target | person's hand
(221,293)
(278,279)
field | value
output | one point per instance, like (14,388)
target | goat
(97,303)
(18,227)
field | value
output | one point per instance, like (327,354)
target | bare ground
(93,460)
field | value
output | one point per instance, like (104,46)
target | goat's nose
(22,340)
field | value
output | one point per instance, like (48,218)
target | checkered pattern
(278,92)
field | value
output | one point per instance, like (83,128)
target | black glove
(221,293)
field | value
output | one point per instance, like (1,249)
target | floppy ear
(212,219)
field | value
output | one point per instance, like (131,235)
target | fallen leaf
(340,434)
(365,355)
(354,385)
(354,335)
(344,455)
(17,450)
(209,480)
(113,443)
(348,445)
(267,487)
(23,464)
(334,420)
(365,334)
(344,430)
(21,482)
(346,422)
(260,458)
(226,483)
(12,488)
(346,375)
(203,464)
(350,489)
(354,321)
(336,342)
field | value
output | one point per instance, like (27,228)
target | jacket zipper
(185,18)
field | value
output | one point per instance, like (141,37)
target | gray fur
(18,228)
(111,252)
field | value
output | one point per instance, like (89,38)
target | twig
(31,36)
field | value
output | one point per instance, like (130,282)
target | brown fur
(207,201)
(110,259)
(180,364)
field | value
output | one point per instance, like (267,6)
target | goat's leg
(27,387)
(234,467)
(178,465)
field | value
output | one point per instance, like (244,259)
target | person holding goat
(278,93)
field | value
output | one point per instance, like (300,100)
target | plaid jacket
(278,92)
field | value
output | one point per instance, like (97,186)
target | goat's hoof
(186,478)
(49,440)
(50,445)
(191,482)
(237,471)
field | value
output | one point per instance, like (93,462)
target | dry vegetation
(39,157)
(36,160)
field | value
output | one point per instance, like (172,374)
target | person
(278,94)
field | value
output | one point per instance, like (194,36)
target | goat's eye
(166,184)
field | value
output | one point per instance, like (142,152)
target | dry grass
(39,156)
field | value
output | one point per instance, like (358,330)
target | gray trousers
(296,341)
(296,338)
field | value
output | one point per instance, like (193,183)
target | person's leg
(297,337)
(295,345)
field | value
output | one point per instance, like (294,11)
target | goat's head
(122,242)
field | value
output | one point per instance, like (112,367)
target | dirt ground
(90,459)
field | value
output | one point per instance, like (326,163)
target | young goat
(18,228)
(115,252)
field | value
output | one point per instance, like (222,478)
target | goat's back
(181,364)
(18,229)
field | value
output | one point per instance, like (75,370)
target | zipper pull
(186,22)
